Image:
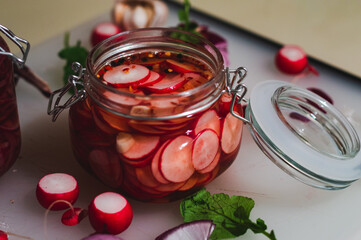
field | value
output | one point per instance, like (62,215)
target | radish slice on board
(182,67)
(153,78)
(143,145)
(208,120)
(176,159)
(54,187)
(110,212)
(196,230)
(126,75)
(102,31)
(231,133)
(291,59)
(205,148)
(169,83)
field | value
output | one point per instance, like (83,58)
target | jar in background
(10,139)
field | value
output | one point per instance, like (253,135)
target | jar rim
(217,72)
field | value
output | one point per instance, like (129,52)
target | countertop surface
(292,209)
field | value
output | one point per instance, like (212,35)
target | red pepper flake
(126,70)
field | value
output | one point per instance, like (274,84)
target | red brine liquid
(152,159)
(10,139)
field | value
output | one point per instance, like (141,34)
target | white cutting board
(295,211)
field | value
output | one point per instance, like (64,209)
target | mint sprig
(230,214)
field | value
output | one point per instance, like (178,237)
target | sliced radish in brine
(103,31)
(205,148)
(153,78)
(155,165)
(125,100)
(145,176)
(106,166)
(126,75)
(208,120)
(213,164)
(110,212)
(176,159)
(169,83)
(231,133)
(181,67)
(291,59)
(191,182)
(196,230)
(143,146)
(124,142)
(57,190)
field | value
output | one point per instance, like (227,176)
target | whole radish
(57,191)
(103,31)
(110,212)
(291,59)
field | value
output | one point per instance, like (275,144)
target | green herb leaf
(71,54)
(230,214)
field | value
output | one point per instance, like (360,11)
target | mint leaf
(230,214)
(71,54)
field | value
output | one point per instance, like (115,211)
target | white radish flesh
(205,148)
(168,84)
(291,59)
(124,142)
(126,75)
(54,187)
(155,165)
(110,212)
(181,67)
(153,78)
(176,159)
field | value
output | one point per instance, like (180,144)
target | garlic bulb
(133,14)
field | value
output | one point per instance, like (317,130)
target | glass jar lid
(304,135)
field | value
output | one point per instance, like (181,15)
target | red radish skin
(176,159)
(205,148)
(231,133)
(142,147)
(3,235)
(57,187)
(73,216)
(291,59)
(103,31)
(126,75)
(170,83)
(110,212)
(155,165)
(208,120)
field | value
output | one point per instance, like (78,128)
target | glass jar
(162,147)
(10,139)
(178,142)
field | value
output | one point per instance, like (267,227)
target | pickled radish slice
(143,146)
(181,67)
(169,83)
(106,166)
(191,182)
(126,75)
(208,120)
(205,148)
(110,212)
(145,177)
(231,133)
(124,142)
(155,165)
(176,159)
(124,99)
(57,187)
(213,164)
(103,31)
(153,78)
(291,59)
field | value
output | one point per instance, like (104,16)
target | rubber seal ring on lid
(304,135)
